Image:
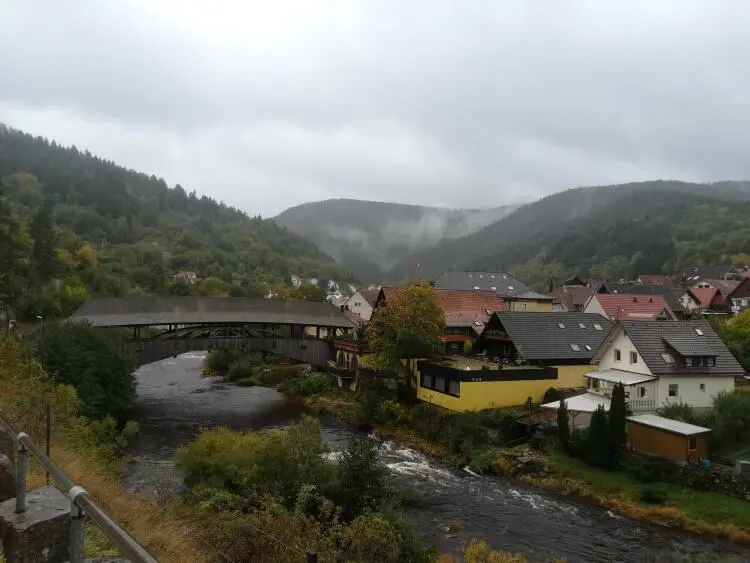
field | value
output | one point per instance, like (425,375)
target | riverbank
(687,510)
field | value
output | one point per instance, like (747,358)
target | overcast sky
(270,104)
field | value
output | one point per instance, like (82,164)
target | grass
(167,531)
(696,511)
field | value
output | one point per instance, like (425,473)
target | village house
(517,295)
(296,281)
(656,279)
(570,295)
(728,296)
(706,301)
(466,313)
(665,363)
(525,354)
(670,294)
(362,302)
(633,307)
(693,274)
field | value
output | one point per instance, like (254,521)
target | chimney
(650,299)
(635,300)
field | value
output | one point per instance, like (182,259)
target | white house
(662,363)
(659,363)
(296,281)
(362,302)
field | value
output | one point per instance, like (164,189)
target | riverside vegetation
(487,442)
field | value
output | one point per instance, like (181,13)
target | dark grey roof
(503,284)
(693,345)
(668,293)
(149,311)
(695,273)
(649,337)
(540,336)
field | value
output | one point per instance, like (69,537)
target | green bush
(654,496)
(218,361)
(241,368)
(551,395)
(460,433)
(273,375)
(652,469)
(390,413)
(361,478)
(310,384)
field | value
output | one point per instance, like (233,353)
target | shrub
(218,361)
(460,434)
(538,442)
(551,395)
(652,469)
(310,384)
(654,496)
(361,478)
(241,368)
(271,376)
(390,413)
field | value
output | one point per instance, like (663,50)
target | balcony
(642,404)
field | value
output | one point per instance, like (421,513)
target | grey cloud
(476,103)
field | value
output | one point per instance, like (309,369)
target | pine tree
(44,261)
(563,424)
(618,413)
(600,442)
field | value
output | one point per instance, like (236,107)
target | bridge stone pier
(164,327)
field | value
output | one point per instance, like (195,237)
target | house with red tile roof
(705,300)
(466,313)
(630,307)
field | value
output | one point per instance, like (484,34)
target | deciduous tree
(409,326)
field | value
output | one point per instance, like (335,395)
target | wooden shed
(664,437)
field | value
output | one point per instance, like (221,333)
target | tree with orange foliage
(407,328)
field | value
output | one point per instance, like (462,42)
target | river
(452,505)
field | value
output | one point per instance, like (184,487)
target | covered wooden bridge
(163,327)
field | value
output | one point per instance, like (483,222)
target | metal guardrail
(81,503)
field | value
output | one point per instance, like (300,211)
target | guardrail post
(77,518)
(21,476)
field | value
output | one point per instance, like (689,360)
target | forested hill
(368,237)
(108,231)
(606,232)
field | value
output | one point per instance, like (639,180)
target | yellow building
(534,351)
(529,301)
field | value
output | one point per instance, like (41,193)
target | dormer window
(561,325)
(699,332)
(597,326)
(581,325)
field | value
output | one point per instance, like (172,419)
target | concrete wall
(689,391)
(475,396)
(623,343)
(530,305)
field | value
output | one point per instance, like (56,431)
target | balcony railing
(642,404)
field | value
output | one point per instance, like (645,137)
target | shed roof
(588,402)
(668,424)
(620,376)
(502,283)
(151,311)
(554,336)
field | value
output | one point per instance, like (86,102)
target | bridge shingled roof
(151,311)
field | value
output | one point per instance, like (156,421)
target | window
(597,326)
(561,325)
(439,384)
(703,387)
(618,355)
(699,332)
(581,325)
(668,359)
(575,347)
(673,389)
(633,357)
(426,381)
(641,392)
(493,287)
(511,288)
(454,387)
(693,443)
(588,347)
